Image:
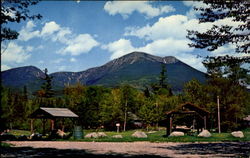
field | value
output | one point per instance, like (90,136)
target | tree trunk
(125,116)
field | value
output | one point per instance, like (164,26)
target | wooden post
(218,102)
(205,122)
(168,125)
(52,124)
(63,124)
(171,123)
(31,126)
(44,121)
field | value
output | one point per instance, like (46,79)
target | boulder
(92,135)
(205,133)
(22,137)
(150,132)
(36,136)
(117,136)
(176,134)
(7,136)
(139,134)
(101,134)
(237,134)
(60,133)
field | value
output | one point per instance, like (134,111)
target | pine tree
(47,85)
(21,13)
(217,36)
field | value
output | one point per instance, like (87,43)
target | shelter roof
(44,112)
(188,108)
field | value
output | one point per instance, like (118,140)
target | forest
(103,107)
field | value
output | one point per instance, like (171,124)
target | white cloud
(29,49)
(119,48)
(41,62)
(5,67)
(40,47)
(82,43)
(191,13)
(72,60)
(49,28)
(162,28)
(126,8)
(74,44)
(57,61)
(162,47)
(167,47)
(62,35)
(61,68)
(16,53)
(167,37)
(27,33)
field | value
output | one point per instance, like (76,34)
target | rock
(176,134)
(7,136)
(60,133)
(101,134)
(92,135)
(150,132)
(205,133)
(237,134)
(117,136)
(36,136)
(22,137)
(139,134)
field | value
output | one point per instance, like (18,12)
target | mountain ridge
(137,68)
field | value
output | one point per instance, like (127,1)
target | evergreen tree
(219,36)
(163,77)
(47,85)
(21,13)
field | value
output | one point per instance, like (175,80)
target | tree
(219,36)
(47,85)
(230,67)
(147,112)
(163,77)
(162,86)
(195,93)
(127,100)
(15,11)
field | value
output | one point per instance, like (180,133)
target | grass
(2,144)
(20,132)
(153,137)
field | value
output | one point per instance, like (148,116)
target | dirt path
(135,149)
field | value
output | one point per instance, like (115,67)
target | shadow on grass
(28,152)
(227,149)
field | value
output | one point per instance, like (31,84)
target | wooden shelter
(45,113)
(184,109)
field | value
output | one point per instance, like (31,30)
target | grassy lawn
(153,137)
(159,137)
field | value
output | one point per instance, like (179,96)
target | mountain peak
(169,59)
(136,56)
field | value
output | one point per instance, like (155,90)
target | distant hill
(137,68)
(17,78)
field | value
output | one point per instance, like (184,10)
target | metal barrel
(78,132)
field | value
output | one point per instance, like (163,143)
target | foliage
(219,36)
(46,90)
(15,11)
(100,107)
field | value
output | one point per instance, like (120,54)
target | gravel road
(135,149)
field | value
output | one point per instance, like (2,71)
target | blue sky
(75,36)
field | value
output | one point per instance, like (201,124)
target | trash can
(78,132)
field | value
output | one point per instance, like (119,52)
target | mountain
(17,78)
(137,68)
